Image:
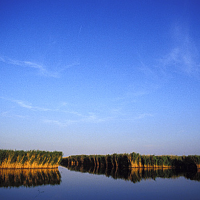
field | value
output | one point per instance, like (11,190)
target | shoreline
(33,159)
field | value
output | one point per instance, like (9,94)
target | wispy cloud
(95,118)
(90,118)
(12,115)
(28,64)
(27,105)
(74,64)
(135,118)
(43,70)
(182,60)
(30,106)
(71,117)
(183,56)
(143,115)
(24,105)
(79,32)
(60,123)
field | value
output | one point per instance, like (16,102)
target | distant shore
(10,159)
(134,160)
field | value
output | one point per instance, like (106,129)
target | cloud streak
(74,116)
(27,105)
(11,115)
(44,71)
(184,56)
(90,118)
(143,115)
(28,64)
(182,60)
(30,107)
(71,117)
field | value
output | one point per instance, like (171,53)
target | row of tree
(133,160)
(29,159)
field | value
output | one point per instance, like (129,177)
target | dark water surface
(66,184)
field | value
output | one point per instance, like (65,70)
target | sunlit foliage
(20,159)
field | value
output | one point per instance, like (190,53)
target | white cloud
(27,105)
(59,122)
(12,115)
(24,105)
(143,115)
(182,60)
(27,64)
(70,117)
(43,70)
(184,55)
(91,118)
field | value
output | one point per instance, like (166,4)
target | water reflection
(29,177)
(136,174)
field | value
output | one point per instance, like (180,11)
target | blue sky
(100,76)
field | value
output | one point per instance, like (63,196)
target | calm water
(66,184)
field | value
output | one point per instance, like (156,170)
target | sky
(100,76)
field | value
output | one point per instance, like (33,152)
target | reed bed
(29,159)
(134,160)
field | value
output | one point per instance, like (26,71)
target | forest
(29,159)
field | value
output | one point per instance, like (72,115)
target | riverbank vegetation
(134,160)
(29,159)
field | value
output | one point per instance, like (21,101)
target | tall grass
(29,159)
(133,160)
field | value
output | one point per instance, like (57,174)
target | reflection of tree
(29,177)
(134,174)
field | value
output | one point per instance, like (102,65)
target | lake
(73,184)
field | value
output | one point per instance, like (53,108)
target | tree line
(134,160)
